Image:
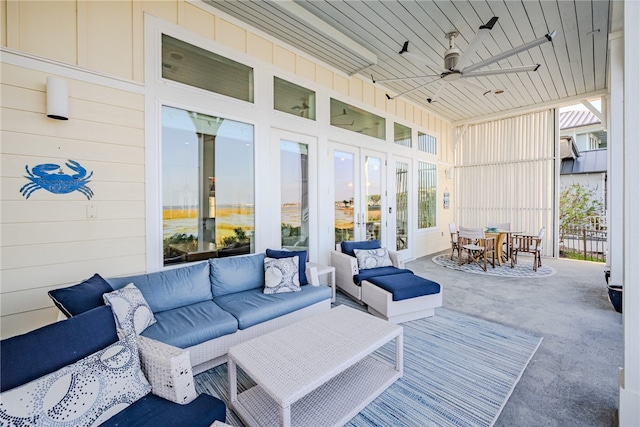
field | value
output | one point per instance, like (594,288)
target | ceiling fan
(457,67)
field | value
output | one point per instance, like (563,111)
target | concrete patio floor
(572,379)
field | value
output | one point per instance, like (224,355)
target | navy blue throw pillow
(348,247)
(302,261)
(82,297)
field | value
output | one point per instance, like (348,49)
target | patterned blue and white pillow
(132,313)
(372,258)
(281,275)
(85,393)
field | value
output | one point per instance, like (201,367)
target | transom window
(427,143)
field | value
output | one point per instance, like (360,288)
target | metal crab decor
(57,183)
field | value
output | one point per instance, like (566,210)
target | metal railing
(585,243)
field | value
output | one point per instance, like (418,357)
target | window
(426,195)
(294,190)
(402,135)
(294,99)
(207,186)
(193,66)
(427,143)
(351,118)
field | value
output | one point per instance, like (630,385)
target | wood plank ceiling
(574,64)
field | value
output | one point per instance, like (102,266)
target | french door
(359,194)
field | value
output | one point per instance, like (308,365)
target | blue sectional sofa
(78,372)
(210,306)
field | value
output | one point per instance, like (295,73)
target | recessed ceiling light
(176,55)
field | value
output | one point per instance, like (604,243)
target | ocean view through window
(208,196)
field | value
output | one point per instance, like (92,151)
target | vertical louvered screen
(505,172)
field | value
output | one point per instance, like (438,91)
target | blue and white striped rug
(523,269)
(458,371)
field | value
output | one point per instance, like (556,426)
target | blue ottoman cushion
(153,411)
(405,285)
(378,271)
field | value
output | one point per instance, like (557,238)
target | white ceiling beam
(589,106)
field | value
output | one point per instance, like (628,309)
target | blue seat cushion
(348,247)
(154,411)
(169,289)
(79,298)
(192,324)
(406,285)
(253,306)
(236,274)
(378,271)
(302,262)
(24,358)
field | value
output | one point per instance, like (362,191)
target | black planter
(615,296)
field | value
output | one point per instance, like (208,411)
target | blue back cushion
(302,262)
(168,289)
(24,358)
(348,247)
(79,298)
(236,274)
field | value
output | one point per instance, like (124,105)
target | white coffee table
(315,372)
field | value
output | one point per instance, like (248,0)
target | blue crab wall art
(41,177)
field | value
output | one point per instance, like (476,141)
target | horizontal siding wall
(505,172)
(48,240)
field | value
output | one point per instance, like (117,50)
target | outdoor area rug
(458,371)
(523,269)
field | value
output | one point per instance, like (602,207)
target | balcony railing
(585,243)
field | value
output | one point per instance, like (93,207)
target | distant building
(583,150)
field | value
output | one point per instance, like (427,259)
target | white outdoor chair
(453,230)
(477,246)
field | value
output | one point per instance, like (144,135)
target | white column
(629,409)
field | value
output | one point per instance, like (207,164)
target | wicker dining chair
(477,246)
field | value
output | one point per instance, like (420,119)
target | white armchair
(347,266)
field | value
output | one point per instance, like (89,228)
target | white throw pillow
(85,393)
(132,313)
(281,275)
(372,258)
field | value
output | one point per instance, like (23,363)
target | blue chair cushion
(302,262)
(378,271)
(169,289)
(406,285)
(253,306)
(79,298)
(154,411)
(24,358)
(236,274)
(348,247)
(192,324)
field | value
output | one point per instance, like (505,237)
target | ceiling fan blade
(412,56)
(497,71)
(389,97)
(511,52)
(473,85)
(483,31)
(403,78)
(434,98)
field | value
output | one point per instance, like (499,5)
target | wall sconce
(57,98)
(450,173)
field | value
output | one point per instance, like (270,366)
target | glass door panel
(402,205)
(344,184)
(294,195)
(373,196)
